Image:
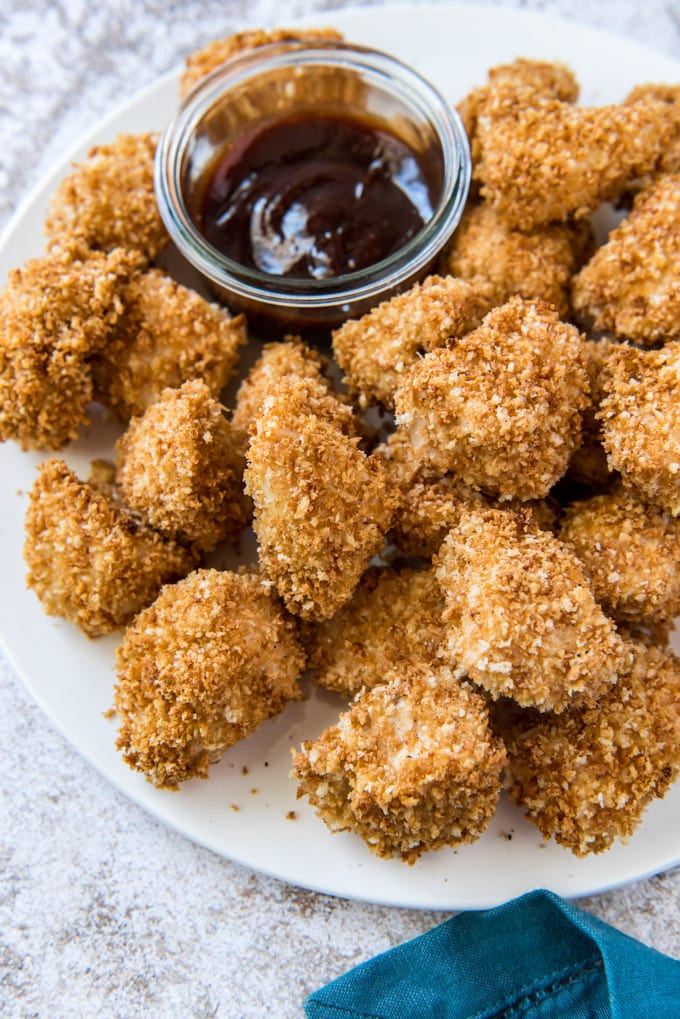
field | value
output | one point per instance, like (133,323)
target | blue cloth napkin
(536,956)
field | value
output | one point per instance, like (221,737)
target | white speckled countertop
(102,910)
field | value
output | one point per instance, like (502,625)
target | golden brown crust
(178,466)
(543,160)
(412,766)
(428,510)
(322,506)
(168,335)
(199,670)
(631,551)
(277,360)
(204,61)
(669,95)
(90,561)
(502,408)
(108,201)
(537,264)
(393,619)
(55,314)
(585,778)
(522,616)
(640,416)
(631,285)
(376,350)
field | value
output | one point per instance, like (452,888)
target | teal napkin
(536,956)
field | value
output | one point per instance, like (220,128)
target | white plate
(71,677)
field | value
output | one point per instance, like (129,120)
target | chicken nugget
(202,62)
(537,264)
(321,506)
(669,95)
(168,335)
(543,160)
(55,314)
(631,551)
(179,467)
(394,618)
(277,360)
(640,416)
(377,349)
(588,465)
(502,408)
(109,200)
(522,616)
(535,77)
(584,778)
(89,560)
(200,669)
(631,285)
(412,766)
(428,510)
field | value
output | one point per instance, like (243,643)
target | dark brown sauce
(314,196)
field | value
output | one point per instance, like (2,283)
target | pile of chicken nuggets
(489,575)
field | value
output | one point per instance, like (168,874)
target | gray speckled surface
(103,911)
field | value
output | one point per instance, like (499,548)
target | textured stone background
(102,911)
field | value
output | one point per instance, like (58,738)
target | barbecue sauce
(317,195)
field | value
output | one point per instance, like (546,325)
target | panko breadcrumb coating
(588,464)
(199,670)
(91,561)
(502,408)
(277,360)
(543,160)
(669,95)
(584,778)
(376,350)
(631,551)
(109,200)
(168,335)
(178,466)
(631,285)
(536,265)
(534,77)
(640,416)
(202,62)
(412,766)
(322,507)
(55,314)
(428,510)
(522,616)
(394,618)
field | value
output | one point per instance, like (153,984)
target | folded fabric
(536,956)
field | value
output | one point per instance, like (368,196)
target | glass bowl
(297,78)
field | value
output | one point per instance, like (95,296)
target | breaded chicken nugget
(522,616)
(543,160)
(376,350)
(277,360)
(199,670)
(90,561)
(640,415)
(585,777)
(631,285)
(394,618)
(168,335)
(322,507)
(179,467)
(538,264)
(669,95)
(536,77)
(202,62)
(55,314)
(502,408)
(109,201)
(631,551)
(428,510)
(411,766)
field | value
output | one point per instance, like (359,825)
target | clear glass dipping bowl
(283,78)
